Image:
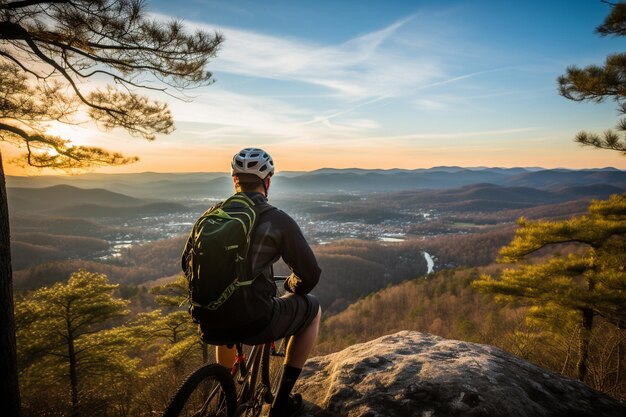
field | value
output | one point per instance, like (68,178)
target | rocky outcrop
(420,375)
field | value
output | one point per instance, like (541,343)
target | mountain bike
(242,391)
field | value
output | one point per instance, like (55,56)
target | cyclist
(258,316)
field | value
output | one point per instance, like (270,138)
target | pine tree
(62,337)
(173,294)
(183,337)
(50,50)
(590,281)
(171,341)
(597,83)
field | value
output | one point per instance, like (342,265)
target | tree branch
(79,39)
(65,75)
(26,3)
(14,130)
(17,62)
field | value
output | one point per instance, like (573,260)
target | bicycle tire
(213,381)
(273,366)
(273,363)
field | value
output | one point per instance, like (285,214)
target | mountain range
(189,186)
(447,188)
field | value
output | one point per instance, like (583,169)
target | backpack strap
(264,208)
(243,270)
(214,305)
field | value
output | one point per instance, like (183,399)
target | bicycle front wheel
(207,392)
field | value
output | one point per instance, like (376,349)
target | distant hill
(353,180)
(29,249)
(372,181)
(99,211)
(491,197)
(94,180)
(549,212)
(52,272)
(556,177)
(162,186)
(179,188)
(69,201)
(58,225)
(189,186)
(492,192)
(58,196)
(595,190)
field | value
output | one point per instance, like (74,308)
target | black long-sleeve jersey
(276,236)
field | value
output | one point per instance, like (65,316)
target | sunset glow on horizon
(369,85)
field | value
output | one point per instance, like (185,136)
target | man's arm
(298,255)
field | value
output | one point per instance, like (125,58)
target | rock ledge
(421,375)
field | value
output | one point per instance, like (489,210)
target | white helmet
(252,161)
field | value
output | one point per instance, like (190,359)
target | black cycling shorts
(291,314)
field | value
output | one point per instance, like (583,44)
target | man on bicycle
(253,315)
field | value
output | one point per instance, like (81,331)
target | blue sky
(382,84)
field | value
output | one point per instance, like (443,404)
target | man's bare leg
(300,346)
(298,351)
(225,356)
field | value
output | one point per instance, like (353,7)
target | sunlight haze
(399,84)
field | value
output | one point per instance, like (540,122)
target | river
(430,263)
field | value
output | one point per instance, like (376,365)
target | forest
(448,305)
(137,332)
(555,297)
(128,334)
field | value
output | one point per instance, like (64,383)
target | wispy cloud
(405,63)
(378,66)
(374,64)
(458,78)
(227,112)
(223,114)
(429,104)
(458,134)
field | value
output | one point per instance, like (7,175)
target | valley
(396,249)
(62,223)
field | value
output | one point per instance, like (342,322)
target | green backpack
(216,263)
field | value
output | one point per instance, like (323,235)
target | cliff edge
(421,375)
